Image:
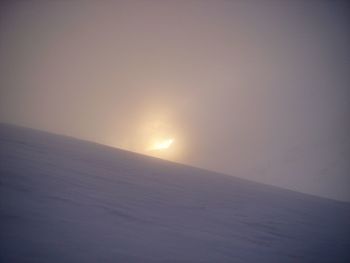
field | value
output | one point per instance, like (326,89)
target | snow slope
(66,200)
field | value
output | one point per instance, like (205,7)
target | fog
(256,89)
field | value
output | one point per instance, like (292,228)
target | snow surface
(66,200)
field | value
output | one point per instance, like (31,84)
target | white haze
(258,89)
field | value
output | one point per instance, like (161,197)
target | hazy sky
(258,89)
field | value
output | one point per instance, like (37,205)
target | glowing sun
(162,144)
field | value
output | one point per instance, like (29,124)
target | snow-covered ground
(66,200)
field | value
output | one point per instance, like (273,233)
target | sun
(162,144)
(159,137)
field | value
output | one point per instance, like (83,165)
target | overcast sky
(257,89)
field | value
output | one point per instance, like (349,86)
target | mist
(255,89)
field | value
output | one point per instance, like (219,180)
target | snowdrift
(67,200)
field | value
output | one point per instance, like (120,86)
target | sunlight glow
(162,145)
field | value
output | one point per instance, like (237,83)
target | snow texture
(67,200)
